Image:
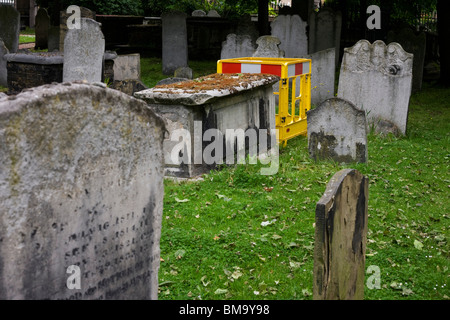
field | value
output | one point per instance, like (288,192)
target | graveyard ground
(239,235)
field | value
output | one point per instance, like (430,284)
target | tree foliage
(226,8)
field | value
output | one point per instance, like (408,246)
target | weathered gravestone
(3,65)
(174,46)
(245,26)
(268,47)
(9,27)
(340,238)
(325,31)
(41,29)
(213,13)
(415,44)
(323,71)
(198,13)
(291,30)
(63,18)
(127,67)
(53,38)
(83,52)
(377,78)
(337,130)
(237,46)
(81,193)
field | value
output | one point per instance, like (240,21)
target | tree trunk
(263,17)
(443,7)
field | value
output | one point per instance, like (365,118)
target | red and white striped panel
(293,69)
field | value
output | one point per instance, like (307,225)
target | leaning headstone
(325,31)
(291,30)
(174,46)
(415,44)
(268,47)
(83,52)
(9,27)
(41,29)
(3,65)
(127,67)
(81,189)
(340,238)
(198,13)
(84,13)
(237,46)
(337,130)
(377,78)
(323,70)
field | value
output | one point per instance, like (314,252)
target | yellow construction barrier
(291,117)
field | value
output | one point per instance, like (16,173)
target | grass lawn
(231,236)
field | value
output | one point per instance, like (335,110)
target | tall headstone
(291,30)
(83,52)
(41,29)
(340,238)
(377,78)
(325,31)
(9,27)
(415,44)
(323,73)
(337,130)
(81,189)
(84,13)
(3,65)
(237,46)
(268,47)
(174,46)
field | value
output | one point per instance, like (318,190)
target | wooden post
(340,238)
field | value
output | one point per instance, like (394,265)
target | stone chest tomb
(220,102)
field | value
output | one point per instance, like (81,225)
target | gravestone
(41,29)
(198,13)
(340,238)
(415,44)
(9,27)
(246,26)
(174,46)
(84,13)
(377,78)
(183,72)
(337,130)
(268,47)
(83,52)
(53,39)
(322,75)
(237,46)
(325,31)
(291,30)
(81,189)
(127,67)
(3,65)
(213,13)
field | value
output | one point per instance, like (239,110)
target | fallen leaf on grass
(184,200)
(418,244)
(220,291)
